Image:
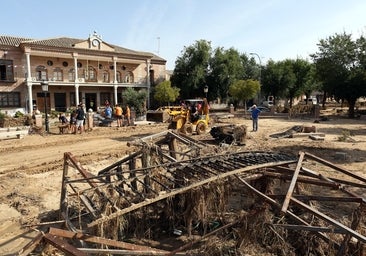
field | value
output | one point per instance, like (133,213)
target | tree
(243,90)
(136,99)
(277,78)
(191,69)
(199,66)
(311,83)
(288,78)
(165,93)
(340,66)
(225,68)
(300,70)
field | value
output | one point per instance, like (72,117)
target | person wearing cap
(255,116)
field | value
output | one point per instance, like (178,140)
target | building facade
(89,70)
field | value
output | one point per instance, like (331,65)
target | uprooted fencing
(174,186)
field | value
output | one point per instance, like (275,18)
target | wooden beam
(63,246)
(290,214)
(31,246)
(310,228)
(119,252)
(329,164)
(330,220)
(101,240)
(293,183)
(307,180)
(322,198)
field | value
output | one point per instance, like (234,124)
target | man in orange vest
(118,113)
(128,115)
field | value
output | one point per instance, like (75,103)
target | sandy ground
(31,167)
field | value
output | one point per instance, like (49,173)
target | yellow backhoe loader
(188,119)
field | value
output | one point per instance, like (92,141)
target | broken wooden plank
(303,134)
(293,183)
(290,214)
(316,137)
(62,245)
(322,198)
(328,219)
(304,180)
(329,164)
(119,252)
(101,240)
(31,246)
(310,228)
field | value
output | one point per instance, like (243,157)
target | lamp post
(260,65)
(44,85)
(260,73)
(205,90)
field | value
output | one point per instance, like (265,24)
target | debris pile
(176,196)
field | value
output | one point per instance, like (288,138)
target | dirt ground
(31,167)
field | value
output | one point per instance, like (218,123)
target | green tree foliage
(340,66)
(191,69)
(165,93)
(288,78)
(275,79)
(299,70)
(244,90)
(225,68)
(311,83)
(136,99)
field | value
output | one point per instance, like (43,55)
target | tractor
(188,120)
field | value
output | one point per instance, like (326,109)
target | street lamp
(260,72)
(260,65)
(44,85)
(205,90)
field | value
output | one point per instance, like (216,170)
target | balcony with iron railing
(137,81)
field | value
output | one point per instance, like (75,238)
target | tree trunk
(351,109)
(324,98)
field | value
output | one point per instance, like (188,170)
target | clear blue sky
(274,29)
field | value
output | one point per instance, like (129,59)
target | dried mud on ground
(31,167)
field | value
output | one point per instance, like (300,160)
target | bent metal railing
(168,164)
(134,187)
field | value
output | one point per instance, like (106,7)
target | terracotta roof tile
(65,42)
(12,40)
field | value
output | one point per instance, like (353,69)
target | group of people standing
(118,113)
(77,120)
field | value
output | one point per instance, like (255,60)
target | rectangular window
(6,70)
(73,100)
(9,99)
(71,76)
(105,97)
(41,75)
(57,75)
(106,77)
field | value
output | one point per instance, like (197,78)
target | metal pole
(260,65)
(44,85)
(260,74)
(45,111)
